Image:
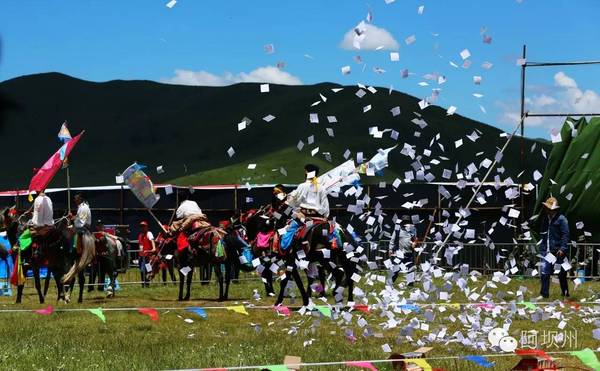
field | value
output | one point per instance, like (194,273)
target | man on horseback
(42,211)
(188,213)
(310,197)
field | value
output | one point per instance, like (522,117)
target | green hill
(188,131)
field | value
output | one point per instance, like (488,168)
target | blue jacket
(557,234)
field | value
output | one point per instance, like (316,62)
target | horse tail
(88,250)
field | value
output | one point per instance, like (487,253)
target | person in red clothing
(147,247)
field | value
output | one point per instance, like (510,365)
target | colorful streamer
(238,309)
(480,360)
(46,311)
(98,312)
(150,312)
(199,311)
(361,364)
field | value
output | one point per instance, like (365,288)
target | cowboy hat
(551,203)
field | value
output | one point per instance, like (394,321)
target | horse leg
(170,265)
(322,277)
(300,285)
(20,287)
(350,268)
(228,269)
(189,282)
(181,283)
(81,277)
(38,284)
(58,274)
(267,274)
(219,274)
(282,287)
(19,293)
(47,281)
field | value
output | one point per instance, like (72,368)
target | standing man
(555,237)
(147,248)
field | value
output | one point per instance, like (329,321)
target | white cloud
(267,74)
(566,97)
(564,81)
(372,38)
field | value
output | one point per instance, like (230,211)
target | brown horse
(215,246)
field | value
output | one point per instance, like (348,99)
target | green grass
(130,341)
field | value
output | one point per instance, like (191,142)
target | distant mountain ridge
(188,130)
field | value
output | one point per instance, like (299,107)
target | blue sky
(143,39)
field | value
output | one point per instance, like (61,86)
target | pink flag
(46,311)
(42,178)
(361,364)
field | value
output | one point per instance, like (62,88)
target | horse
(111,258)
(261,232)
(324,242)
(49,251)
(214,246)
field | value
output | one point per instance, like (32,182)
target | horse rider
(402,244)
(187,213)
(311,196)
(42,221)
(308,200)
(82,220)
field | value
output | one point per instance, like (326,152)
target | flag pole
(68,190)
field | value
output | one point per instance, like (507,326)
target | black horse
(326,244)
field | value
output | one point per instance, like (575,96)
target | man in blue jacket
(555,237)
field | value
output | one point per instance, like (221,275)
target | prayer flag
(480,360)
(588,357)
(45,174)
(64,134)
(141,185)
(361,364)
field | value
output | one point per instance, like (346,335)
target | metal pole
(235,199)
(523,129)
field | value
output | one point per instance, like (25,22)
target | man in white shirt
(188,214)
(83,218)
(42,211)
(311,196)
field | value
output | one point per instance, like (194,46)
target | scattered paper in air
(465,54)
(451,110)
(264,88)
(231,152)
(171,4)
(251,166)
(394,56)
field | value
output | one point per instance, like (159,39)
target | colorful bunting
(588,357)
(412,307)
(238,309)
(197,310)
(150,312)
(528,305)
(46,311)
(362,308)
(361,364)
(98,312)
(480,360)
(326,311)
(282,309)
(421,362)
(276,368)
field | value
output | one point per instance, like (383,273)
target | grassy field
(131,341)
